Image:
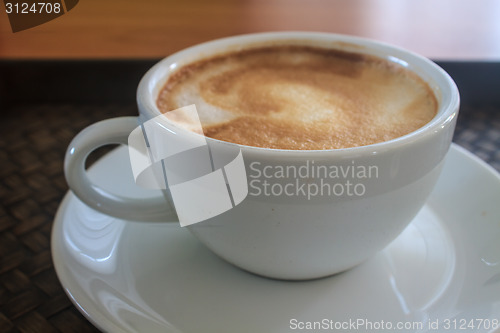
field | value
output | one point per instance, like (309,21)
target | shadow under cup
(310,214)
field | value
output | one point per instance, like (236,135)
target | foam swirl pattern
(301,97)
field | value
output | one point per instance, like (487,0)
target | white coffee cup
(281,235)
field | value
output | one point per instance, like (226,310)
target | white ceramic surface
(295,236)
(145,277)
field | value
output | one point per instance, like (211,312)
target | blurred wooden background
(132,29)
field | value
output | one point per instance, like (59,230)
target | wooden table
(439,29)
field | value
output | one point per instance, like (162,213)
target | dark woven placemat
(478,130)
(33,140)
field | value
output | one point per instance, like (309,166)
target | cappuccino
(301,98)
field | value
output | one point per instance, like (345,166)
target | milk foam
(293,97)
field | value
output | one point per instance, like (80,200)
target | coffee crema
(301,97)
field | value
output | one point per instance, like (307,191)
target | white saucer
(144,277)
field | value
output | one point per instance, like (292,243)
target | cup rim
(439,81)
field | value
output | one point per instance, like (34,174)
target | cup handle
(110,131)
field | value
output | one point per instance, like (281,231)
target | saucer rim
(102,322)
